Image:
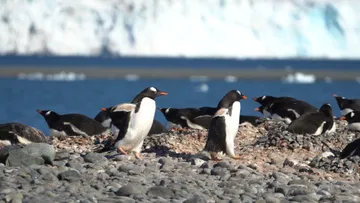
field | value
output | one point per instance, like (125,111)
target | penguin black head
(264,100)
(350,117)
(230,97)
(49,116)
(326,109)
(341,101)
(150,92)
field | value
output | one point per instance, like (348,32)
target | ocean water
(21,98)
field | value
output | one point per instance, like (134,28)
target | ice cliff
(186,28)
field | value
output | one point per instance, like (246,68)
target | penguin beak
(39,111)
(244,97)
(255,99)
(256,109)
(343,118)
(335,95)
(162,93)
(103,109)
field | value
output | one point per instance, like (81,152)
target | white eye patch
(352,114)
(47,113)
(153,89)
(167,110)
(263,97)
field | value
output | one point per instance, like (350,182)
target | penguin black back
(267,100)
(72,124)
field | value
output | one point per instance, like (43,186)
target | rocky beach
(276,166)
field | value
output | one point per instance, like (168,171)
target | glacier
(182,28)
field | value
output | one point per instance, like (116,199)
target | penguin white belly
(276,117)
(140,123)
(266,114)
(346,111)
(232,126)
(333,128)
(354,126)
(5,142)
(56,133)
(106,123)
(320,129)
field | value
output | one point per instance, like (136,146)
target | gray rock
(197,162)
(131,189)
(195,199)
(69,175)
(94,158)
(235,201)
(61,155)
(43,150)
(20,158)
(122,157)
(160,191)
(75,165)
(4,152)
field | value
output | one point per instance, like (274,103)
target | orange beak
(163,93)
(335,95)
(103,109)
(39,111)
(244,97)
(254,98)
(343,118)
(257,109)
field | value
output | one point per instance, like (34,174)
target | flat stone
(131,189)
(160,191)
(94,158)
(69,175)
(20,158)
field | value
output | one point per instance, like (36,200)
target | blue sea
(21,98)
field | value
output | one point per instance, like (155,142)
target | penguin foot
(138,155)
(236,157)
(214,157)
(122,150)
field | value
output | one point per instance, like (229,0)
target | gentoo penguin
(347,105)
(314,123)
(224,126)
(134,121)
(176,116)
(18,133)
(157,128)
(351,149)
(201,122)
(71,124)
(288,111)
(353,119)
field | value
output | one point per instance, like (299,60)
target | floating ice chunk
(300,78)
(230,79)
(202,88)
(132,77)
(62,76)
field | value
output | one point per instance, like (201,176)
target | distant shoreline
(178,73)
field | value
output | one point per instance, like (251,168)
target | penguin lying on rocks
(314,123)
(347,105)
(224,126)
(71,124)
(18,133)
(353,119)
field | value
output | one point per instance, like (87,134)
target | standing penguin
(71,124)
(134,121)
(224,126)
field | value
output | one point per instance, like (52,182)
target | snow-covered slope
(189,28)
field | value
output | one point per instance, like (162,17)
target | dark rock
(69,175)
(131,189)
(219,171)
(160,191)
